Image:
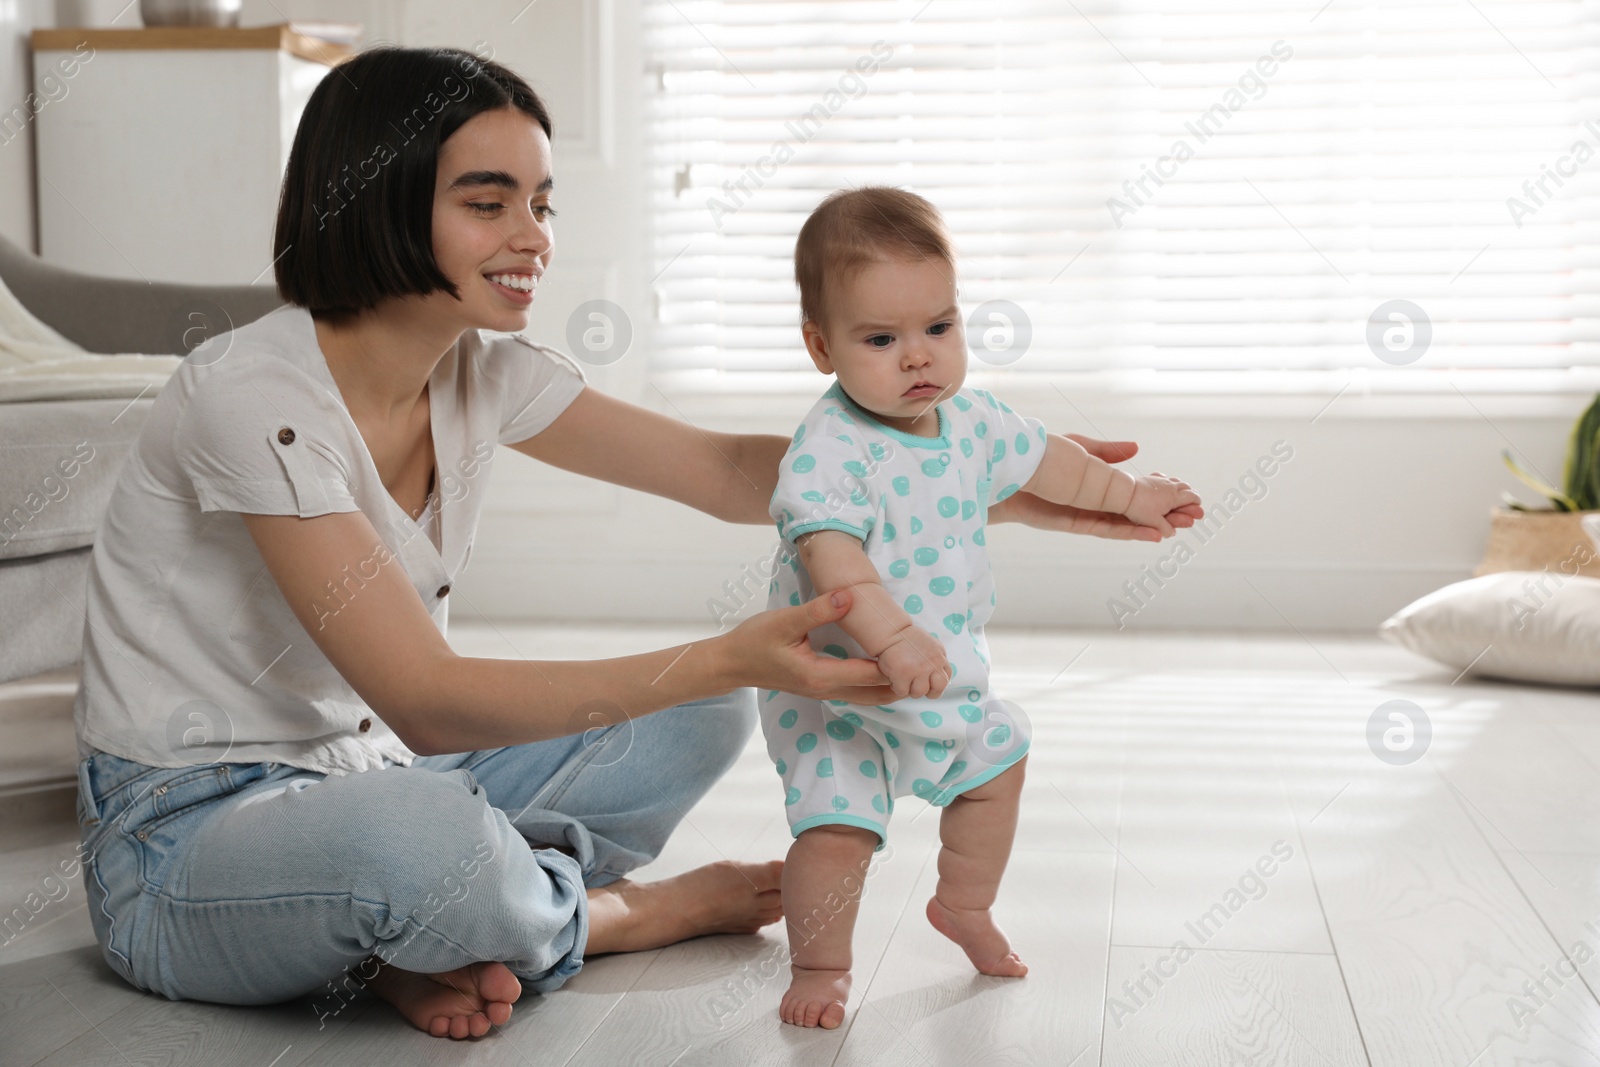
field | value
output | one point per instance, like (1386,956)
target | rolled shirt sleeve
(259,443)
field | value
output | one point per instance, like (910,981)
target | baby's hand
(915,664)
(1154,496)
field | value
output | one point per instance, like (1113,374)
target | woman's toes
(496,982)
(491,980)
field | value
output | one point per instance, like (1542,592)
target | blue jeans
(253,883)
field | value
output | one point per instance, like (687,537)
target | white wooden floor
(1445,912)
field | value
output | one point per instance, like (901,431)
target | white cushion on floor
(1528,626)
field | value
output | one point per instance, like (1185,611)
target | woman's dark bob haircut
(355,220)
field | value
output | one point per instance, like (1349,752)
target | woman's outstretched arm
(377,634)
(721,474)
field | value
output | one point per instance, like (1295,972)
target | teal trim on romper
(794,530)
(842,820)
(944,796)
(941,799)
(942,441)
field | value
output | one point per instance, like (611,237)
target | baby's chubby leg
(976,830)
(823,879)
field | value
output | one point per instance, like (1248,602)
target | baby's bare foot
(979,937)
(719,898)
(815,998)
(459,1003)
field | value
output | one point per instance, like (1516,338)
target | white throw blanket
(36,363)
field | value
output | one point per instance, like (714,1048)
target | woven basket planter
(1536,540)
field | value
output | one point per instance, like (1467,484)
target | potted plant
(1565,536)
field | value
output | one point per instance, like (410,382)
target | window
(1192,194)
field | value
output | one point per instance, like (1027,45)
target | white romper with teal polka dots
(919,505)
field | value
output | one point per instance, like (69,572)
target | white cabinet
(161,154)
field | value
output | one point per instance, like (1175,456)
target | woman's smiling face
(492,234)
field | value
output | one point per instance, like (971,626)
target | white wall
(1385,497)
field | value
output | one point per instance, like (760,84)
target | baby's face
(894,339)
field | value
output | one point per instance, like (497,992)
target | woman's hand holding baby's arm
(772,650)
(911,658)
(1031,510)
(1068,474)
(1155,496)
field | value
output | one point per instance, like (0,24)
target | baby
(885,490)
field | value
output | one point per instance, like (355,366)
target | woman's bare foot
(459,1003)
(979,937)
(815,998)
(719,898)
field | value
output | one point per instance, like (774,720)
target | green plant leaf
(1582,473)
(1557,497)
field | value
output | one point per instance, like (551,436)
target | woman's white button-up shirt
(191,654)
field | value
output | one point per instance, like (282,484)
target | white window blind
(1431,151)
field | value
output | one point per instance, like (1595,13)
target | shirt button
(949,542)
(444,591)
(944,457)
(366,724)
(286,436)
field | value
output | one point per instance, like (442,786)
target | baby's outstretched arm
(1069,475)
(912,659)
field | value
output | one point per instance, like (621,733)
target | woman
(289,783)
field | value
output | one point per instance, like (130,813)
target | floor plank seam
(1116,877)
(1322,910)
(1521,892)
(1197,949)
(615,1005)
